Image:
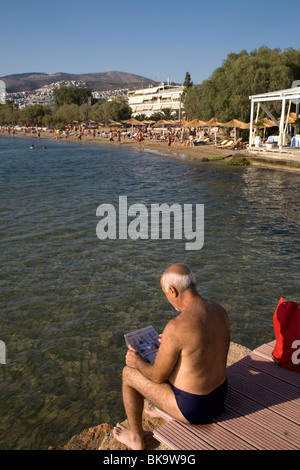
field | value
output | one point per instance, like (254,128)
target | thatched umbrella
(162,123)
(213,123)
(114,124)
(148,122)
(235,123)
(196,123)
(133,121)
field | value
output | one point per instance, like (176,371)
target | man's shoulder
(212,305)
(172,327)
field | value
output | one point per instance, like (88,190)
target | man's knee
(129,374)
(125,373)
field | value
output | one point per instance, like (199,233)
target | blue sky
(155,39)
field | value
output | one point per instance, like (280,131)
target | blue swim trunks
(201,409)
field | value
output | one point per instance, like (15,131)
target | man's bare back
(203,333)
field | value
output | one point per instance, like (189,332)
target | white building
(153,99)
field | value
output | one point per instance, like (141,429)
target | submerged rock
(239,160)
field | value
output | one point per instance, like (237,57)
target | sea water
(68,298)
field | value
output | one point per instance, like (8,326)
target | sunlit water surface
(67,298)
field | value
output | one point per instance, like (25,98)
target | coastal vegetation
(224,95)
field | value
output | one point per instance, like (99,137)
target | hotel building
(154,99)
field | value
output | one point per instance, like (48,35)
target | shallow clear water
(67,298)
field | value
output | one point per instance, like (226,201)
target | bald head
(178,276)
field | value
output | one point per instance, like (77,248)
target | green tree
(141,117)
(157,116)
(187,81)
(117,109)
(84,112)
(167,114)
(96,113)
(225,95)
(187,84)
(34,115)
(66,113)
(71,95)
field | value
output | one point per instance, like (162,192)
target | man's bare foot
(153,412)
(125,436)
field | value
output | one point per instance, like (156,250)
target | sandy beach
(208,151)
(286,159)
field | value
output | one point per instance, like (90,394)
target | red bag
(286,322)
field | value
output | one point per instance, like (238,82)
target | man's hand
(132,357)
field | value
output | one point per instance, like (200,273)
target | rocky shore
(101,437)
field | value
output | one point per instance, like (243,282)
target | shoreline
(101,437)
(209,151)
(286,159)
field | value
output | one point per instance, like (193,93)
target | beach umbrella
(245,126)
(290,120)
(162,123)
(182,123)
(196,123)
(268,122)
(177,123)
(133,121)
(234,123)
(114,124)
(213,123)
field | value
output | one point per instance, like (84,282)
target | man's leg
(136,387)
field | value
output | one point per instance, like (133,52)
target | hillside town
(44,95)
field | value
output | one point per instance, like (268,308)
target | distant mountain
(94,81)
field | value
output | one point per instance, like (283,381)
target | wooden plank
(214,435)
(266,398)
(265,350)
(204,437)
(262,410)
(253,433)
(283,390)
(277,424)
(266,366)
(172,435)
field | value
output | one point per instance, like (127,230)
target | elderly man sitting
(188,378)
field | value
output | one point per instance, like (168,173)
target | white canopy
(290,95)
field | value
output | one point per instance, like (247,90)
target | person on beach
(140,138)
(119,137)
(169,140)
(188,378)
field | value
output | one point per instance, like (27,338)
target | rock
(88,439)
(101,437)
(236,352)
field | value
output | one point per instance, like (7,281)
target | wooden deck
(262,411)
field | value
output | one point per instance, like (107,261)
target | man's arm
(165,360)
